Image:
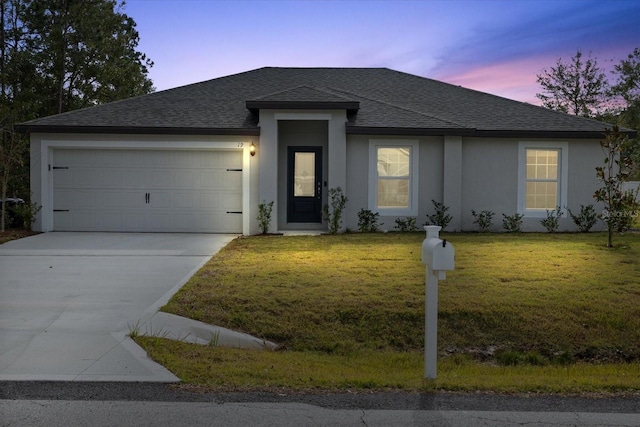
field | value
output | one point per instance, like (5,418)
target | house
(200,158)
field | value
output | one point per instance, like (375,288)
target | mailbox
(437,254)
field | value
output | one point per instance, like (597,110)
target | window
(393,177)
(542,178)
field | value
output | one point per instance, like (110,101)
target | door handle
(319,190)
(147,197)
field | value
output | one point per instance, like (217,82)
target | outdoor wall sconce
(252,149)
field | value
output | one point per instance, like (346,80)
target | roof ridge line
(314,88)
(407,109)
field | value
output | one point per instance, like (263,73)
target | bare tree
(578,87)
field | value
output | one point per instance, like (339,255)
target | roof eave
(372,130)
(350,106)
(136,130)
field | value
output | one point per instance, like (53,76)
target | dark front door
(304,184)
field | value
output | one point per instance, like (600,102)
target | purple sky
(495,46)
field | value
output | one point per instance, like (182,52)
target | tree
(620,204)
(628,88)
(578,87)
(85,52)
(11,157)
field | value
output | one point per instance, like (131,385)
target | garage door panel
(160,199)
(184,178)
(106,177)
(161,222)
(133,178)
(111,220)
(112,199)
(122,190)
(135,221)
(63,199)
(184,200)
(231,201)
(209,179)
(62,220)
(133,199)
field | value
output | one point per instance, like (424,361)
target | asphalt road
(128,404)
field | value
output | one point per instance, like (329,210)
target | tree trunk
(3,197)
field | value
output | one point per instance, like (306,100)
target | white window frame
(374,144)
(563,175)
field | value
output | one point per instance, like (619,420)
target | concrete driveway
(68,301)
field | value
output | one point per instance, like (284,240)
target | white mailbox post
(438,255)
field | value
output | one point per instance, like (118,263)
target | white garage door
(147,191)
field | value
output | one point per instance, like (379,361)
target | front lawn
(521,312)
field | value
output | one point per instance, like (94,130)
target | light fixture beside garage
(252,149)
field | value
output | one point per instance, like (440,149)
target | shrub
(334,209)
(406,225)
(368,221)
(483,219)
(552,221)
(585,219)
(440,217)
(264,216)
(24,214)
(512,223)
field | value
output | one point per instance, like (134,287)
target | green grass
(521,312)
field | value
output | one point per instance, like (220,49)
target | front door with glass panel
(304,184)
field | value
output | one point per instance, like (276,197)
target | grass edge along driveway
(521,313)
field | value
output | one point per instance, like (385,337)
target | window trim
(563,175)
(374,144)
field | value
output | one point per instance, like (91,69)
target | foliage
(586,219)
(368,221)
(531,300)
(26,213)
(334,210)
(620,205)
(578,87)
(406,225)
(264,216)
(57,56)
(85,53)
(512,223)
(582,88)
(440,217)
(552,221)
(12,147)
(628,88)
(483,219)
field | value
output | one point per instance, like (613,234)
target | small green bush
(483,219)
(440,217)
(264,216)
(552,221)
(406,225)
(368,221)
(512,223)
(586,219)
(25,214)
(334,210)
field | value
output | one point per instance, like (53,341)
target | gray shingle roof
(379,100)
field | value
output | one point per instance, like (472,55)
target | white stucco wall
(430,177)
(273,161)
(42,145)
(474,174)
(465,173)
